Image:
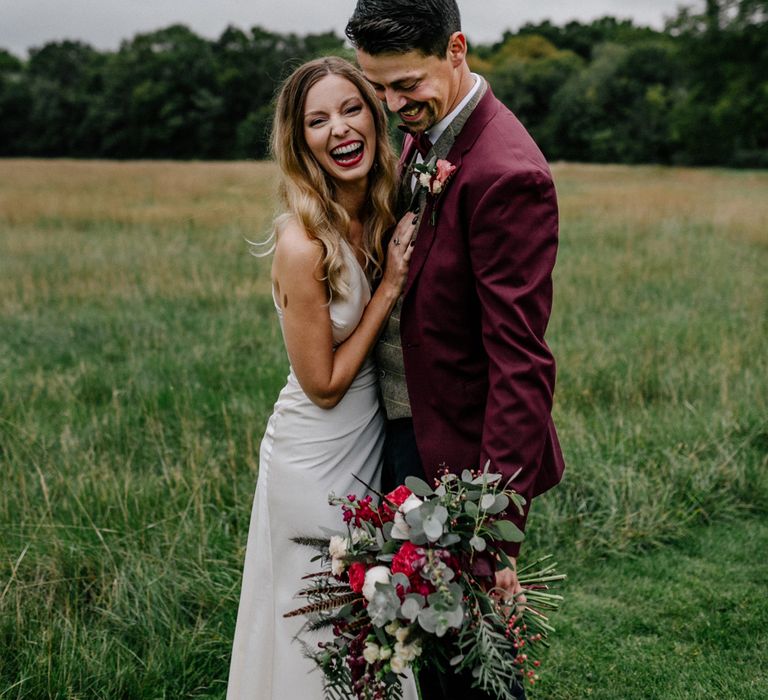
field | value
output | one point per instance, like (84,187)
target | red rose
(408,558)
(393,498)
(356,576)
(399,495)
(422,586)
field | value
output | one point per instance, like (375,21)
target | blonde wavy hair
(308,193)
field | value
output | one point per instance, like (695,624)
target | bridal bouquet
(410,582)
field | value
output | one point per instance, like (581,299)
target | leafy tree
(160,97)
(63,78)
(15,104)
(605,90)
(722,116)
(583,39)
(525,72)
(617,108)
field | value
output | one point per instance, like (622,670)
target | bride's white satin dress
(306,453)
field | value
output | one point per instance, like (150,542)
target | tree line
(693,93)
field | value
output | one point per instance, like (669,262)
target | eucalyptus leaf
(411,607)
(433,529)
(418,486)
(449,539)
(400,579)
(486,480)
(384,605)
(508,531)
(487,501)
(428,619)
(466,475)
(440,513)
(500,504)
(471,509)
(415,516)
(477,543)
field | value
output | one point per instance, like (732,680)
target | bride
(337,187)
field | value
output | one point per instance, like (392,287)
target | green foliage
(608,90)
(140,357)
(685,622)
(618,108)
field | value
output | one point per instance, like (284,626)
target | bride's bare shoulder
(295,250)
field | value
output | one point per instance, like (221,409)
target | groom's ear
(457,49)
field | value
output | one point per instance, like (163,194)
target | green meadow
(140,357)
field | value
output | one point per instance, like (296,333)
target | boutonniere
(432,176)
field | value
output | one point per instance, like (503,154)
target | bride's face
(339,129)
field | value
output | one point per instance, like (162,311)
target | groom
(465,373)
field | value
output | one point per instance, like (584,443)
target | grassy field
(140,356)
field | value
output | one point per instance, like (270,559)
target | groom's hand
(508,586)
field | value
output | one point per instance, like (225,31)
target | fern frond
(314,542)
(328,588)
(325,605)
(319,574)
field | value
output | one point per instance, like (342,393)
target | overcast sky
(104,23)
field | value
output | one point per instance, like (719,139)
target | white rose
(437,187)
(371,653)
(337,566)
(409,504)
(374,575)
(401,530)
(397,665)
(337,547)
(392,627)
(403,651)
(401,635)
(425,179)
(385,653)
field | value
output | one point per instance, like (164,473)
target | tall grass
(140,356)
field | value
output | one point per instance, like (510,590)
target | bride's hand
(399,252)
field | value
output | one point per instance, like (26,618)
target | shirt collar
(437,130)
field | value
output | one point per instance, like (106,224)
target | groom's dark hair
(400,26)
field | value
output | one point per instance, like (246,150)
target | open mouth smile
(411,113)
(348,154)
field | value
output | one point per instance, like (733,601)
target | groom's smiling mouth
(348,154)
(411,113)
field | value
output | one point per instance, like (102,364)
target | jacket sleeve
(513,245)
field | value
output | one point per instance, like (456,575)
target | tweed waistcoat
(389,351)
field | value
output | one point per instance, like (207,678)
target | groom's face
(420,89)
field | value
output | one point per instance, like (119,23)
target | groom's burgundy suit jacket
(476,305)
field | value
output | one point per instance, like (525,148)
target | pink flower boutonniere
(432,177)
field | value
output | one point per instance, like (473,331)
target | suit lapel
(465,139)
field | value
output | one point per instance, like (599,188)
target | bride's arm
(323,374)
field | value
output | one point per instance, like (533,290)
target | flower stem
(418,685)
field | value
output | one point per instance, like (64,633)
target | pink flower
(444,170)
